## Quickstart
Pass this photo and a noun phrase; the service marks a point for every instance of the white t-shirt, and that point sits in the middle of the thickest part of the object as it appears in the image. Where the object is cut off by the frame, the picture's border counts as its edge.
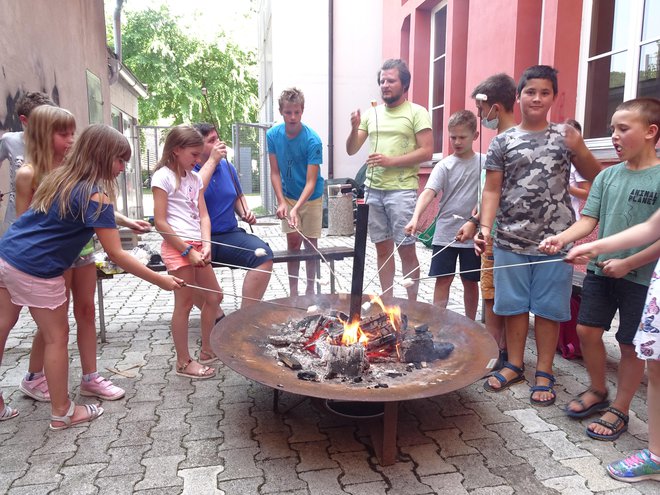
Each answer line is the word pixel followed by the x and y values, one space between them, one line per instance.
pixel 575 178
pixel 182 202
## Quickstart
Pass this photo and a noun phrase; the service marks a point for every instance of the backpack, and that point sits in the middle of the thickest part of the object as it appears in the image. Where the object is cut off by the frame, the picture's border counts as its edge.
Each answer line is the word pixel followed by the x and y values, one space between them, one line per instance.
pixel 569 342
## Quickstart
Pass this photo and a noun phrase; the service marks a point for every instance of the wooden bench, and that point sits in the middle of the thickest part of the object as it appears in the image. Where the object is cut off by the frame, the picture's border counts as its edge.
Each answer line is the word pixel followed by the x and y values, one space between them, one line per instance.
pixel 331 254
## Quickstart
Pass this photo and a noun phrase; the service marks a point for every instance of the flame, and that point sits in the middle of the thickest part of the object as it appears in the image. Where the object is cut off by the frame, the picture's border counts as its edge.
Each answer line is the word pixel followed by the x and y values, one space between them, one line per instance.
pixel 353 333
pixel 393 312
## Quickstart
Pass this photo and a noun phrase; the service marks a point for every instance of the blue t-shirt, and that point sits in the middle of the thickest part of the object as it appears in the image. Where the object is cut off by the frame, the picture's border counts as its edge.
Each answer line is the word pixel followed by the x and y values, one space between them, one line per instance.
pixel 293 158
pixel 44 245
pixel 220 197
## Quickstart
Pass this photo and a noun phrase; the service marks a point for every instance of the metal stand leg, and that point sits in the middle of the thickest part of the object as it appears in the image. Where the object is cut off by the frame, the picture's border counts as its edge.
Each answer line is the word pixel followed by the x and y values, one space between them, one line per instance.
pixel 332 276
pixel 99 293
pixel 384 440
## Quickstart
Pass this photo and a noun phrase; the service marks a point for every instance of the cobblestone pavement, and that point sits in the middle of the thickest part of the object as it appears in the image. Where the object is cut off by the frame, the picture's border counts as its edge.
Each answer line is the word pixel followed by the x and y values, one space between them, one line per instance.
pixel 173 435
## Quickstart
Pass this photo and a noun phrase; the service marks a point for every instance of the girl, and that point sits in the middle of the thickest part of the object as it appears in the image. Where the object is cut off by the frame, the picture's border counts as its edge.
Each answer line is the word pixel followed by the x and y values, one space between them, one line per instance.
pixel 644 464
pixel 48 137
pixel 180 214
pixel 72 203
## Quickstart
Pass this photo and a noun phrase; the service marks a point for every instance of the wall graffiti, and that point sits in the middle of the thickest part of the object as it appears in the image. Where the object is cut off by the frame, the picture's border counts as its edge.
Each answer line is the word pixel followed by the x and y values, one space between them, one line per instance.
pixel 10 122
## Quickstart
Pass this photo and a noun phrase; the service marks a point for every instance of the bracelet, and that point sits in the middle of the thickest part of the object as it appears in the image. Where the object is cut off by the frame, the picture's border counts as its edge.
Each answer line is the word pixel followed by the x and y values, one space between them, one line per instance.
pixel 474 221
pixel 186 251
pixel 486 227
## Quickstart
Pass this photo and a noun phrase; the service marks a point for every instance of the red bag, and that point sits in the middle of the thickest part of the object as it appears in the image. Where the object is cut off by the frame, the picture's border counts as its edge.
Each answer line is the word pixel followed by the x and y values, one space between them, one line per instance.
pixel 569 342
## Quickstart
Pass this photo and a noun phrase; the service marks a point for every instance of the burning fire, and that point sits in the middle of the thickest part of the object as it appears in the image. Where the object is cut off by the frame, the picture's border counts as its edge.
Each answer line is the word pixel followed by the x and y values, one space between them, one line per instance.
pixel 354 334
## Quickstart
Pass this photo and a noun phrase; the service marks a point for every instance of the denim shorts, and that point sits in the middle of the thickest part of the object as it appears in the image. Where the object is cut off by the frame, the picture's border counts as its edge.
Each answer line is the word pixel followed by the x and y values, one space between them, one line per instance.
pixel 445 262
pixel 84 260
pixel 28 290
pixel 239 257
pixel 542 289
pixel 389 213
pixel 602 296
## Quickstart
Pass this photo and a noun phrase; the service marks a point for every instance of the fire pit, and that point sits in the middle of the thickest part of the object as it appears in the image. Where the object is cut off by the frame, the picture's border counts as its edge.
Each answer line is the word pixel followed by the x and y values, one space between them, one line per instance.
pixel 241 341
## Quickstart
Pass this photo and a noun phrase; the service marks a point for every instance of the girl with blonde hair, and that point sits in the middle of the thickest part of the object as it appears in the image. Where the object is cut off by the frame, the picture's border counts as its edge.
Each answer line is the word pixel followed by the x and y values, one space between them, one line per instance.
pixel 180 214
pixel 71 204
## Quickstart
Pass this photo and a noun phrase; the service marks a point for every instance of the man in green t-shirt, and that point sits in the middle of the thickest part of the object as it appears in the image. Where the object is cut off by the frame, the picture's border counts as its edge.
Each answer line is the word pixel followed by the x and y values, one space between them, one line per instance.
pixel 400 138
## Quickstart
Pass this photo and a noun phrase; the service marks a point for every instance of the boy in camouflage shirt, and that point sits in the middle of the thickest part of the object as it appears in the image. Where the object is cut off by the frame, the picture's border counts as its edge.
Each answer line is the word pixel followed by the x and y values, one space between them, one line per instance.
pixel 527 174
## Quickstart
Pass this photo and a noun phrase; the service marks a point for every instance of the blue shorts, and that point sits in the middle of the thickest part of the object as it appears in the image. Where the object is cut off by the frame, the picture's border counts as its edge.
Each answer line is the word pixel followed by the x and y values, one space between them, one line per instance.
pixel 543 289
pixel 445 262
pixel 389 213
pixel 602 296
pixel 239 257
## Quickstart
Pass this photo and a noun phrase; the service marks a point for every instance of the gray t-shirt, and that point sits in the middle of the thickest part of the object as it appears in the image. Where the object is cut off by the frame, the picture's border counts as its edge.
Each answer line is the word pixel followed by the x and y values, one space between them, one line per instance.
pixel 458 181
pixel 535 202
pixel 12 149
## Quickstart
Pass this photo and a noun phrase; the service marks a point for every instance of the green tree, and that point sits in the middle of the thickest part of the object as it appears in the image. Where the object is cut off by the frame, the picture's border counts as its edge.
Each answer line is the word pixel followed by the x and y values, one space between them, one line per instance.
pixel 175 67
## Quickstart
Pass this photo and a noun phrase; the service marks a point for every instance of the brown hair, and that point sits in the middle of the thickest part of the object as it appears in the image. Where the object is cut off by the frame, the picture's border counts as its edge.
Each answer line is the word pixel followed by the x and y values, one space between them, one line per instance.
pixel 292 95
pixel 648 110
pixel 181 136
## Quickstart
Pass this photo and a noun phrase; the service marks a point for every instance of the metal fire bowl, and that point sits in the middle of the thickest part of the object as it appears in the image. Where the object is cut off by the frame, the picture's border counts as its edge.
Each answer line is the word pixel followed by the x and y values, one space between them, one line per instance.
pixel 240 340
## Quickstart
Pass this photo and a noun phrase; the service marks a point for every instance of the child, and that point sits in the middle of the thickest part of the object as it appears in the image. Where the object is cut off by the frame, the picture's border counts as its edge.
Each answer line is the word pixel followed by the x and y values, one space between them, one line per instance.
pixel 496 112
pixel 12 148
pixel 456 179
pixel 72 203
pixel 645 464
pixel 621 196
pixel 295 155
pixel 47 140
pixel 577 186
pixel 527 170
pixel 180 212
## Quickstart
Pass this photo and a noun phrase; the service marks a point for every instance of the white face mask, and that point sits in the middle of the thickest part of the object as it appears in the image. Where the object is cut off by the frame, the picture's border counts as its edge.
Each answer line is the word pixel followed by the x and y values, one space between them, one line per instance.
pixel 490 124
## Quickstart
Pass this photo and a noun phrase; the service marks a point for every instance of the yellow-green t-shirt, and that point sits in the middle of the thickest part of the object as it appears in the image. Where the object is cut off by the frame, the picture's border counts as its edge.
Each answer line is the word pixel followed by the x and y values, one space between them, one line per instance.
pixel 392 132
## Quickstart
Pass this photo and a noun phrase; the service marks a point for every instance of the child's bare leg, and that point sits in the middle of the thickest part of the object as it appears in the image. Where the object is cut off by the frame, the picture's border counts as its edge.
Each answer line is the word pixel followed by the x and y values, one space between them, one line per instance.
pixel 82 287
pixel 386 267
pixel 205 277
pixel 629 376
pixel 180 316
pixel 653 401
pixel 441 291
pixel 293 243
pixel 410 264
pixel 516 328
pixel 470 297
pixel 255 283
pixel 8 317
pixel 494 323
pixel 547 335
pixel 594 356
pixel 311 267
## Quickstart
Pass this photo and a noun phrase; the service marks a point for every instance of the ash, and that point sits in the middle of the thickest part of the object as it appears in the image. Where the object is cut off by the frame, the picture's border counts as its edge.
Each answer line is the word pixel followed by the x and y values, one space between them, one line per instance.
pixel 311 347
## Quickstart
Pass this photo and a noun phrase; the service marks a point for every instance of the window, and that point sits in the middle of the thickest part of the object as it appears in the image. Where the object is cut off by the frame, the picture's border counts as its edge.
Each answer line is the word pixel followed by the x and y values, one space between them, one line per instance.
pixel 620 55
pixel 437 73
pixel 94 99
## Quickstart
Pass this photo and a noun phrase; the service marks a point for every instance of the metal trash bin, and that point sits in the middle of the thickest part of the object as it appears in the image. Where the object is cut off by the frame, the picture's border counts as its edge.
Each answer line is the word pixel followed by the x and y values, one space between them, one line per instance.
pixel 340 210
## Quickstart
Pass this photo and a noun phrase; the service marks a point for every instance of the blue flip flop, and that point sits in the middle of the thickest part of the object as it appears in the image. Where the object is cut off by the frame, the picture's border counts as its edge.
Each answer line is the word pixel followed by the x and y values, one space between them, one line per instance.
pixel 592 409
pixel 502 379
pixel 543 388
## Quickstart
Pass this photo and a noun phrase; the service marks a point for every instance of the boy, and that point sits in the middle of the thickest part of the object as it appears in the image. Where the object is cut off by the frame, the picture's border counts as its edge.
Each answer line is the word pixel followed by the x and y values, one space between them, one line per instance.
pixel 456 179
pixel 12 149
pixel 527 169
pixel 496 113
pixel 295 155
pixel 621 196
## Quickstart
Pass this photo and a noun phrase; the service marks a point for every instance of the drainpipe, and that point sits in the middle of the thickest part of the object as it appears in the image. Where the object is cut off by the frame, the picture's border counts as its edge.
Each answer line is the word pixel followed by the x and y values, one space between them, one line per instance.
pixel 115 62
pixel 331 52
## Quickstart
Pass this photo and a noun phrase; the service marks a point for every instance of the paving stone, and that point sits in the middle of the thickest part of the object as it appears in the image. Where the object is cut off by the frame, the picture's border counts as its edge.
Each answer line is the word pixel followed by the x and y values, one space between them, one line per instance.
pixel 235 414
pixel 204 406
pixel 169 490
pixel 237 437
pixel 323 482
pixel 474 472
pixel 201 480
pixel 522 479
pixel 38 489
pixel 313 456
pixel 80 479
pixel 488 412
pixel 241 486
pixel 42 467
pixel 304 429
pixel 343 440
pixel 280 476
pixel 450 405
pixel 560 446
pixel 239 463
pixel 160 472
pixel 270 422
pixel 203 427
pixel 273 446
pixel 234 394
pixel 569 485
pixel 88 452
pixel 408 433
pixel 593 471
pixel 493 490
pixel 201 453
pixel 545 466
pixel 447 484
pixel 495 453
pixel 140 411
pixel 530 421
pixel 124 461
pixel 165 445
pixel 403 479
pixel 450 443
pixel 427 459
pixel 356 468
pixel 366 488
pixel 472 428
pixel 117 485
pixel 136 433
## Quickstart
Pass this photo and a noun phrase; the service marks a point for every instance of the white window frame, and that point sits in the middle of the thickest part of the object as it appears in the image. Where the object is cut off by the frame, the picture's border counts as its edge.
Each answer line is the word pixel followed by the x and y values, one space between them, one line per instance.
pixel 602 147
pixel 433 58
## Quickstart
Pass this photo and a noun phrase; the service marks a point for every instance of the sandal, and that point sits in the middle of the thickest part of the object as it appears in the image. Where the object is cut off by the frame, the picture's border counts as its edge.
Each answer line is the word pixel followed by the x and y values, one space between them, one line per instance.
pixel 543 388
pixel 203 373
pixel 8 413
pixel 93 412
pixel 210 357
pixel 622 419
pixel 602 403
pixel 502 379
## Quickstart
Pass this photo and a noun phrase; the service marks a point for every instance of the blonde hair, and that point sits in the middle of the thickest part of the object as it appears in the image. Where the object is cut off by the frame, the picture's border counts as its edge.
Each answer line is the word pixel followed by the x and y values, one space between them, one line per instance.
pixel 292 95
pixel 45 121
pixel 89 163
pixel 181 136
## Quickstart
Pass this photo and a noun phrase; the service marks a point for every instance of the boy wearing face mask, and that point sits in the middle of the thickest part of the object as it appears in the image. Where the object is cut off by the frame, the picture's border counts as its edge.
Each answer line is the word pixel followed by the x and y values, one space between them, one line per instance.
pixel 496 113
